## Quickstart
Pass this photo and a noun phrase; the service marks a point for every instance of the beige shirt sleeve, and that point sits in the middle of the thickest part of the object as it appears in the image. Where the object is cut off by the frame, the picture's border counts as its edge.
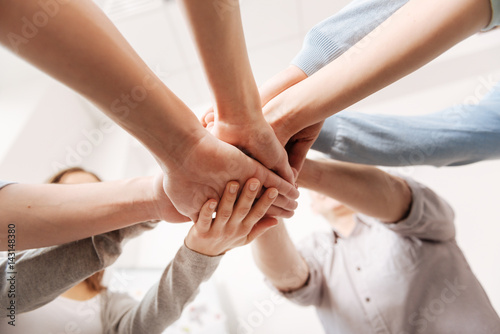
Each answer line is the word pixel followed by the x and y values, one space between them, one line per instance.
pixel 430 216
pixel 316 250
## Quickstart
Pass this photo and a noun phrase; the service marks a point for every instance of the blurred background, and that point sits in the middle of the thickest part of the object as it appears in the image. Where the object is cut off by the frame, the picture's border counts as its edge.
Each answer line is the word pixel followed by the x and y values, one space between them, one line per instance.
pixel 45 127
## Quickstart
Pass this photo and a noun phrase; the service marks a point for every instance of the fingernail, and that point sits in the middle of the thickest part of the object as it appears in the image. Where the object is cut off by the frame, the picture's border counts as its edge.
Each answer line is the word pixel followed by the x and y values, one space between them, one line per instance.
pixel 273 193
pixel 254 186
pixel 213 205
pixel 233 188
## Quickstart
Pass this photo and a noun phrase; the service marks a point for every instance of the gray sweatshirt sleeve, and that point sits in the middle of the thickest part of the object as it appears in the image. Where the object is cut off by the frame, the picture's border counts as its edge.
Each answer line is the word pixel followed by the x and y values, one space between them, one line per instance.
pixel 164 302
pixel 43 274
pixel 332 37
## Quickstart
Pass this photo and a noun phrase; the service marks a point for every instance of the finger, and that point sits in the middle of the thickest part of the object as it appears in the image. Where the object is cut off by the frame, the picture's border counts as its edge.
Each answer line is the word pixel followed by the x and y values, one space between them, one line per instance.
pixel 210 116
pixel 225 209
pixel 275 211
pixel 207 117
pixel 245 201
pixel 264 225
pixel 297 154
pixel 271 180
pixel 285 203
pixel 284 169
pixel 210 126
pixel 260 208
pixel 205 217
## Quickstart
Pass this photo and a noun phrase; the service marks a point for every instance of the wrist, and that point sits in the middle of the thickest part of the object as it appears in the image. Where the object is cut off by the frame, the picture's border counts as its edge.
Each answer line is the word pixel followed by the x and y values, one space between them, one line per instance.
pixel 192 246
pixel 281 113
pixel 240 103
pixel 310 175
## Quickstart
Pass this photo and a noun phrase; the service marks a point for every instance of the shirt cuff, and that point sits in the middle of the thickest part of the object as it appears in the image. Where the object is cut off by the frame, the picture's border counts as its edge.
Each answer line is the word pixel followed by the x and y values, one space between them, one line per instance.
pixel 317 51
pixel 414 217
pixel 495 15
pixel 327 139
pixel 203 263
pixel 5 183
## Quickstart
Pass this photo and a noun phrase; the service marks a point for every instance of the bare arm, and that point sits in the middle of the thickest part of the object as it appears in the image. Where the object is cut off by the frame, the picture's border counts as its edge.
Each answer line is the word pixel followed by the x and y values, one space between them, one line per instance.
pixel 218 32
pixel 237 223
pixel 80 47
pixel 367 190
pixel 53 214
pixel 278 259
pixel 417 33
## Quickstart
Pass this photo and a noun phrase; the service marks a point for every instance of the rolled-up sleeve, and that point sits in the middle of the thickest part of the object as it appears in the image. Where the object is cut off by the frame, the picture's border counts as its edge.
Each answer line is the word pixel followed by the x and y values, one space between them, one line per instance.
pixel 314 251
pixel 430 216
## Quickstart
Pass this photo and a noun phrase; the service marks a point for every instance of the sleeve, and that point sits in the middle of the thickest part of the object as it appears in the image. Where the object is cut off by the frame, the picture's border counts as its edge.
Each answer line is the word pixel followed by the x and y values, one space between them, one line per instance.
pixel 455 136
pixel 164 302
pixel 430 216
pixel 314 251
pixel 332 37
pixel 43 274
pixel 495 15
pixel 4 183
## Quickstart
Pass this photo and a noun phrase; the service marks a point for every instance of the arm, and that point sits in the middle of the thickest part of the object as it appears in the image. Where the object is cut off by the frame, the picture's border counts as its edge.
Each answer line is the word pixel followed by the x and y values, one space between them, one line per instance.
pixel 403 205
pixel 278 259
pixel 455 136
pixel 324 43
pixel 98 63
pixel 417 33
pixel 58 268
pixel 365 189
pixel 51 214
pixel 218 33
pixel 237 223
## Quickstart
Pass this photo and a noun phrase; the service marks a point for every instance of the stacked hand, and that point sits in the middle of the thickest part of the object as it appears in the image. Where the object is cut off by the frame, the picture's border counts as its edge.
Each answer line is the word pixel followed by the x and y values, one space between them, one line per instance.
pixel 237 222
pixel 259 138
pixel 207 168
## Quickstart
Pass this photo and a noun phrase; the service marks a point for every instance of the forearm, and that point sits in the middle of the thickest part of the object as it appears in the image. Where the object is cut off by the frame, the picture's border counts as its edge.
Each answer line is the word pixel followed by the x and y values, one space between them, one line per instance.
pixel 417 33
pixel 64 213
pixel 80 47
pixel 365 189
pixel 218 33
pixel 56 269
pixel 165 301
pixel 278 259
pixel 458 135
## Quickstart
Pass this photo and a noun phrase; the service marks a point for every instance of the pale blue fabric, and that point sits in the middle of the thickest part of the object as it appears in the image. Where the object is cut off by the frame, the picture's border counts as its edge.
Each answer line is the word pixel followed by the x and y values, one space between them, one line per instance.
pixel 4 183
pixel 332 37
pixel 455 136
pixel 495 17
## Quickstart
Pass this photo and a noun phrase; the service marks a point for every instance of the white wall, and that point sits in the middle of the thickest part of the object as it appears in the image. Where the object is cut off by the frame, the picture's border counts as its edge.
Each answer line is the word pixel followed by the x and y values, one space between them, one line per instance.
pixel 41 118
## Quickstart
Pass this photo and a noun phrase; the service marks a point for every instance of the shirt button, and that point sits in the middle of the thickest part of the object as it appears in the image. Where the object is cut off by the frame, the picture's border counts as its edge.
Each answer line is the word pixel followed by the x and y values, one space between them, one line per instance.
pixel 367 299
pixel 358 268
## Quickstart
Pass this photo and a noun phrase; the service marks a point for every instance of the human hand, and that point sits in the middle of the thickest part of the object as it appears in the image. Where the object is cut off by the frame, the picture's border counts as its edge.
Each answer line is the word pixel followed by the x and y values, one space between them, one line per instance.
pixel 209 166
pixel 276 110
pixel 237 223
pixel 254 136
pixel 273 87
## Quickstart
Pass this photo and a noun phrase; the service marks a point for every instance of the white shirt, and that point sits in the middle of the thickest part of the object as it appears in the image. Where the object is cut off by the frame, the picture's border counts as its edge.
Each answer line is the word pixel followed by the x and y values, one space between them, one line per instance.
pixel 409 277
pixel 61 316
